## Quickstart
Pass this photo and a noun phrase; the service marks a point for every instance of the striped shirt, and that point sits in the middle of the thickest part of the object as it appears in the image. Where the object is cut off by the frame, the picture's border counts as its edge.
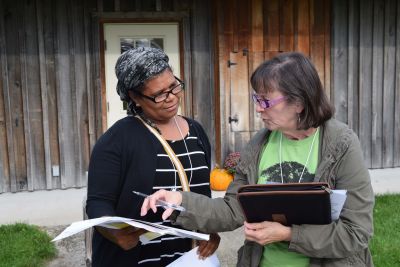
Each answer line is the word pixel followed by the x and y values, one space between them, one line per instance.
pixel 165 249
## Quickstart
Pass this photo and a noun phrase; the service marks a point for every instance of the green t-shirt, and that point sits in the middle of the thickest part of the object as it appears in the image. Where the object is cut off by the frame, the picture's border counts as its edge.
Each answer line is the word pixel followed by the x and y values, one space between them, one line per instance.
pixel 294 154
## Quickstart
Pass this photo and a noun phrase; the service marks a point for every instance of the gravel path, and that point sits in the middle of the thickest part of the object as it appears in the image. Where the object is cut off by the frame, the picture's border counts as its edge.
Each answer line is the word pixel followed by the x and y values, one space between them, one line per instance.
pixel 71 250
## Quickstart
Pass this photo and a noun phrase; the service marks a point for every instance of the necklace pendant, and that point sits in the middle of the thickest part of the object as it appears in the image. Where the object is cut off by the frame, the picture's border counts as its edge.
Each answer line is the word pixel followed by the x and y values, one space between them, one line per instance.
pixel 173 189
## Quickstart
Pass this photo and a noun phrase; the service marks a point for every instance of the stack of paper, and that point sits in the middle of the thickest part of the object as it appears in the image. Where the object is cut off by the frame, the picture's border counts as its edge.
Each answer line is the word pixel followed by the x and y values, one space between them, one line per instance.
pixel 121 222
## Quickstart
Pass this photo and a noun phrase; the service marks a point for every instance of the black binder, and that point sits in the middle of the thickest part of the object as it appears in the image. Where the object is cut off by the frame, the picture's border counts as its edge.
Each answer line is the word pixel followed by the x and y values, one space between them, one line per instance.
pixel 290 203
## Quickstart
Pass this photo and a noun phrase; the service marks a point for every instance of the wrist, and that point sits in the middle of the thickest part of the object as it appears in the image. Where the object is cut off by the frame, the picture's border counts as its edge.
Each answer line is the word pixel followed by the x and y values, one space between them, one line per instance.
pixel 287 234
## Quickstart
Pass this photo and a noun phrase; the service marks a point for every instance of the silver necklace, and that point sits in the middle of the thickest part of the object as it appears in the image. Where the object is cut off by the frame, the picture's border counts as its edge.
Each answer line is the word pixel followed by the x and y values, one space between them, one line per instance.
pixel 187 150
pixel 308 157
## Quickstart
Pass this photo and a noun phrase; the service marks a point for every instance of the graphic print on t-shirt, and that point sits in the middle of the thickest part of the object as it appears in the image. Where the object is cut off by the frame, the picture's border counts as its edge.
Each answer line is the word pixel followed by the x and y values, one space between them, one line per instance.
pixel 291 172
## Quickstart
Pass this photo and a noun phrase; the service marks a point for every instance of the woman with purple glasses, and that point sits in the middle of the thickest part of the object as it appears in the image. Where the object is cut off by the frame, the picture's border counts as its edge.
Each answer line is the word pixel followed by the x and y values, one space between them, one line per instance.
pixel 301 142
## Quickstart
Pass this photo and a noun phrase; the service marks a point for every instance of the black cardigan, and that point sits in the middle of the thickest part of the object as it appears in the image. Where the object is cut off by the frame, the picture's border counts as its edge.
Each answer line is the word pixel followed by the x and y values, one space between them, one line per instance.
pixel 124 159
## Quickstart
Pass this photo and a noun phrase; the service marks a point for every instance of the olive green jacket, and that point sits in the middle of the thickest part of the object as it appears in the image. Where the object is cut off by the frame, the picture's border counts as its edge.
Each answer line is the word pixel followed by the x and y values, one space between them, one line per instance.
pixel 340 243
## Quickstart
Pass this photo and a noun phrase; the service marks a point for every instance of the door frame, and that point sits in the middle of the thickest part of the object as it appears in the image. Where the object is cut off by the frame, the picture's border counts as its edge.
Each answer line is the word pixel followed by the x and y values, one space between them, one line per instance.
pixel 182 18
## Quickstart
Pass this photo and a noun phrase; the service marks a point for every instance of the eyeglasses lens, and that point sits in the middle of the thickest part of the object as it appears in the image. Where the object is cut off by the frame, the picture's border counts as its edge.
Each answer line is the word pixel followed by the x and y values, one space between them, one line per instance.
pixel 175 90
pixel 262 102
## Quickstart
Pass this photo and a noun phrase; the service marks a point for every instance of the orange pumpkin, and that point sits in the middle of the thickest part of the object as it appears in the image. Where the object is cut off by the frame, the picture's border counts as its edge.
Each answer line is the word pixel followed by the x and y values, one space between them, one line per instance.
pixel 220 179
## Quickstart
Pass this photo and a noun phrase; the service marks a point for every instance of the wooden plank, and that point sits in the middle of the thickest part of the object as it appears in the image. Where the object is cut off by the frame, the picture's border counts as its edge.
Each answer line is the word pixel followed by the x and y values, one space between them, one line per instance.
pixel 365 114
pixel 25 107
pixel 32 103
pixel 117 6
pixel 255 121
pixel 186 54
pixel 389 84
pixel 89 81
pixel 98 80
pixel 203 88
pixel 108 5
pixel 81 108
pixel 70 23
pixel 225 31
pixel 272 25
pixel 50 42
pixel 64 96
pixel 244 26
pixel 239 93
pixel 353 59
pixel 302 32
pixel 181 5
pixel 317 51
pixel 217 100
pixel 241 139
pixel 256 56
pixel 148 5
pixel 13 96
pixel 44 94
pixel 396 143
pixel 126 5
pixel 286 42
pixel 340 59
pixel 235 23
pixel 100 5
pixel 257 29
pixel 377 83
pixel 327 52
pixel 4 107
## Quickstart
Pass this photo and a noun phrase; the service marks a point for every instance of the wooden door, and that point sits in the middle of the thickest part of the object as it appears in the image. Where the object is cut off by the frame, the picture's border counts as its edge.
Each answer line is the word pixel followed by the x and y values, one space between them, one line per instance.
pixel 256 30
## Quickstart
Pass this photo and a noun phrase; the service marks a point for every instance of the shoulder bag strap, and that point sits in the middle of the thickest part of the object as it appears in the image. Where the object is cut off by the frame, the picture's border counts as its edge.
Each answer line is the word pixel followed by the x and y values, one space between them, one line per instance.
pixel 172 156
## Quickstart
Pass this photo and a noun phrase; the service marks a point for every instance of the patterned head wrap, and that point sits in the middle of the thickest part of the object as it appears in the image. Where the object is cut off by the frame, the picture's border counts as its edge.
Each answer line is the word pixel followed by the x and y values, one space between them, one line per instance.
pixel 135 66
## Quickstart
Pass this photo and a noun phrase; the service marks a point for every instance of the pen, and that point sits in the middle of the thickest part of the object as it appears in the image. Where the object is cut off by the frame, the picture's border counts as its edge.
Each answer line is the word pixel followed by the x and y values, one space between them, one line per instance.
pixel 162 203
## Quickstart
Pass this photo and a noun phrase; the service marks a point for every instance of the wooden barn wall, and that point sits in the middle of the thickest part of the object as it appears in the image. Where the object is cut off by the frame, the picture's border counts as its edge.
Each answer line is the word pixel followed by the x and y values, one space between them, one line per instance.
pixel 252 31
pixel 50 89
pixel 366 75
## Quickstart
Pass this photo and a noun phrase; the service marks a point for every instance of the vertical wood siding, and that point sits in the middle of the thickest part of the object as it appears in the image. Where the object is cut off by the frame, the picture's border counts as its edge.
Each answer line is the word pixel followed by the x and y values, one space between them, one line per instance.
pixel 50 96
pixel 252 31
pixel 365 82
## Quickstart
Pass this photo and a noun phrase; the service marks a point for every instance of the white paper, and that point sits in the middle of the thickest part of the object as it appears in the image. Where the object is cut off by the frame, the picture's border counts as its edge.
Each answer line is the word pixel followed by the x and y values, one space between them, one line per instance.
pixel 191 259
pixel 338 197
pixel 120 222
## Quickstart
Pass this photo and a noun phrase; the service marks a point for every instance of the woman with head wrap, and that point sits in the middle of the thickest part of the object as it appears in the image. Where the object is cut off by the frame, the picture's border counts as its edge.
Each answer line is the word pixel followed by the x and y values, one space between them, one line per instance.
pixel 128 157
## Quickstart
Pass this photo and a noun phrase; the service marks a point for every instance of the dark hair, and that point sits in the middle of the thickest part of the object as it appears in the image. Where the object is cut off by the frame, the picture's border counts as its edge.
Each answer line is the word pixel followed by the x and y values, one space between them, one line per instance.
pixel 294 75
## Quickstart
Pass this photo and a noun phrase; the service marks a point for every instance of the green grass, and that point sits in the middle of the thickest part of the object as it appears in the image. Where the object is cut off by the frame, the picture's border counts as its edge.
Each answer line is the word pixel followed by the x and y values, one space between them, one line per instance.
pixel 385 245
pixel 24 245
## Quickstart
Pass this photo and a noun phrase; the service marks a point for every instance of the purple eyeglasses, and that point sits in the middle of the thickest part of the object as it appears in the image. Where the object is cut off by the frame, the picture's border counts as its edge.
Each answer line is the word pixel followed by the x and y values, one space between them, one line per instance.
pixel 265 103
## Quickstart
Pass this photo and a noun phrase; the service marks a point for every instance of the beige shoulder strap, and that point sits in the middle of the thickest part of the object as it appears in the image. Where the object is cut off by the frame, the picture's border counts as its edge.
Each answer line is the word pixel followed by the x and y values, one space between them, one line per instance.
pixel 172 156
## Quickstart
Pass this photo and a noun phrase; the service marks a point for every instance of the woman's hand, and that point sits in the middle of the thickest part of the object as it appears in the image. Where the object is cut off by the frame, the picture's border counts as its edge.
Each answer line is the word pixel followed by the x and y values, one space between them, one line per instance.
pixel 125 238
pixel 207 248
pixel 267 232
pixel 172 197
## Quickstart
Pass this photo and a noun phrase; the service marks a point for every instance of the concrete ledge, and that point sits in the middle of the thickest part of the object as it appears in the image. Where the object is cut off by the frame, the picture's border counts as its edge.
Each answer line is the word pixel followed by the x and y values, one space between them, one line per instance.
pixel 44 208
pixel 62 207
pixel 385 181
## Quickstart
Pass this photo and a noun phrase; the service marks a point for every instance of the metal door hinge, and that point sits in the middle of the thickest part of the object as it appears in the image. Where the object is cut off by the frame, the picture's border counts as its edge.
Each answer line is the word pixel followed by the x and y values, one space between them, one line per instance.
pixel 230 119
pixel 230 63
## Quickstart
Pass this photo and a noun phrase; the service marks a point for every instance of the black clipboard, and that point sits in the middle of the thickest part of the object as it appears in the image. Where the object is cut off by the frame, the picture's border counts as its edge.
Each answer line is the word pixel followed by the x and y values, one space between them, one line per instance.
pixel 288 204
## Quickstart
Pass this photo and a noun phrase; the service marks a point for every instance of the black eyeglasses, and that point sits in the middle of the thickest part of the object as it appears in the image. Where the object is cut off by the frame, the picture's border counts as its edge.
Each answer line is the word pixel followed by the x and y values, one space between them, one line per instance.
pixel 175 89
